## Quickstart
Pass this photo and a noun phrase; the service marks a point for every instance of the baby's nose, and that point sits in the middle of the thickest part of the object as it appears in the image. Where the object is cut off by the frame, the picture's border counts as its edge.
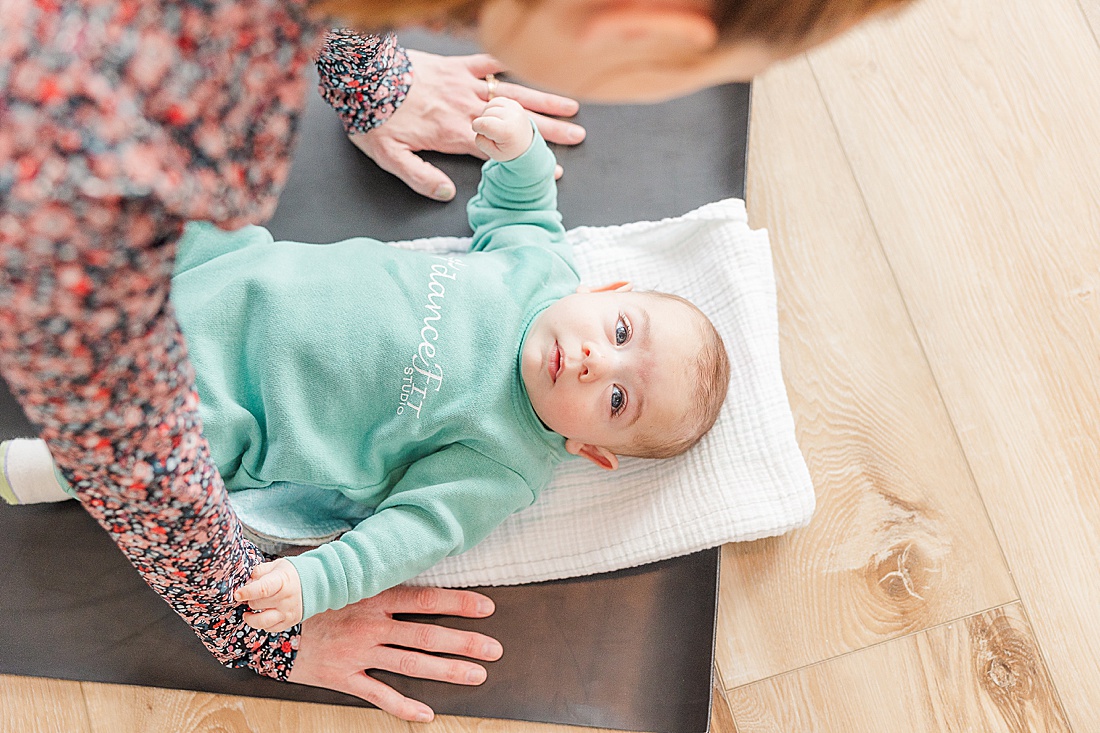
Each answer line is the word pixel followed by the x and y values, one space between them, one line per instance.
pixel 592 362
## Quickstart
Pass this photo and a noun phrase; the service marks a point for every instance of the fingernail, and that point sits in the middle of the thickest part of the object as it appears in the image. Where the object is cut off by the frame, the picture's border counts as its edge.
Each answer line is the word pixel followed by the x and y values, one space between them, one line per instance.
pixel 485 607
pixel 492 649
pixel 576 135
pixel 445 192
pixel 424 716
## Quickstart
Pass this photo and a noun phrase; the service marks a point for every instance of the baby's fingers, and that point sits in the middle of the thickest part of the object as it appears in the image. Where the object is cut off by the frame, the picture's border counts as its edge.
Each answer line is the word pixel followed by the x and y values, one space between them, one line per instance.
pixel 491 127
pixel 264 568
pixel 487 146
pixel 265 586
pixel 272 620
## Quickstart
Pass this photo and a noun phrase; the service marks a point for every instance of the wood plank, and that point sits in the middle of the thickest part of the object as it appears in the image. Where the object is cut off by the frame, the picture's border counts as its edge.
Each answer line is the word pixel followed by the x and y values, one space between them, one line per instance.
pixel 900 541
pixel 1091 9
pixel 983 673
pixel 972 129
pixel 114 708
pixel 721 717
pixel 36 705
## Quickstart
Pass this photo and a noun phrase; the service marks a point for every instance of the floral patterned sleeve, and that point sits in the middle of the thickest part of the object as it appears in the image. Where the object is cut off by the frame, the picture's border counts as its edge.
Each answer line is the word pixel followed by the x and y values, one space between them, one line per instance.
pixel 92 352
pixel 364 78
pixel 119 122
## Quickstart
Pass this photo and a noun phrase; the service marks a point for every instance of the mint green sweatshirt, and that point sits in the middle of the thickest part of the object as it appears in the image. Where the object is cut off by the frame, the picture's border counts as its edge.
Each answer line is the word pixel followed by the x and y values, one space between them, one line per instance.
pixel 389 375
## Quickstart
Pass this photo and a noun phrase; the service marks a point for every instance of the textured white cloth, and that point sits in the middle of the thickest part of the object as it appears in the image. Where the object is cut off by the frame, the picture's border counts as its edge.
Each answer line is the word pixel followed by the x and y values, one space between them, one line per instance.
pixel 746 479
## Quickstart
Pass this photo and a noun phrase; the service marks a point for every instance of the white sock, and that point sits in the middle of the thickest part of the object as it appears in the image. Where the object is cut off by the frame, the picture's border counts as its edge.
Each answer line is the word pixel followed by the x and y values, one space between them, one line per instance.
pixel 27 473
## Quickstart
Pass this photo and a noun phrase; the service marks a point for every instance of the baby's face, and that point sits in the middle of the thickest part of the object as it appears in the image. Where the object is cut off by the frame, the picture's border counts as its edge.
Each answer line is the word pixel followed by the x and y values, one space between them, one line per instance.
pixel 607 368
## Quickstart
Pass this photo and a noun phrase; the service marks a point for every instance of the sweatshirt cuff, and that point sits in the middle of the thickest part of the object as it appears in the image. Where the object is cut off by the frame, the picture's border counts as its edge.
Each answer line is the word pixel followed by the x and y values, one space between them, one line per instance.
pixel 324 585
pixel 534 164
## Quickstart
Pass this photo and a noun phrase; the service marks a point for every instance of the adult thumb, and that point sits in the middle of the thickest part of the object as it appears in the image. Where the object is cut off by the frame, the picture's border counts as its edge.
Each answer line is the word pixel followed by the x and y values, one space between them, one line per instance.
pixel 418 174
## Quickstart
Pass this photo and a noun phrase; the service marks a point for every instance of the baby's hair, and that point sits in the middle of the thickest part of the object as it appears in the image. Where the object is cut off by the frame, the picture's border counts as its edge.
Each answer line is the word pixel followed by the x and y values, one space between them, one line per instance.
pixel 712 377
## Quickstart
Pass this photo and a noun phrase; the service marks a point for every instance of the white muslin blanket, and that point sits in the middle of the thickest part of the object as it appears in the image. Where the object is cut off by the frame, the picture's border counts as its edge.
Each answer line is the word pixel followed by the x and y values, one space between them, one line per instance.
pixel 746 479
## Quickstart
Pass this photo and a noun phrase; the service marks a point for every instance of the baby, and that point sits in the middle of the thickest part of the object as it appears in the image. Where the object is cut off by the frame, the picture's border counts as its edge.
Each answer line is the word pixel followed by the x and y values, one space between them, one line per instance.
pixel 437 391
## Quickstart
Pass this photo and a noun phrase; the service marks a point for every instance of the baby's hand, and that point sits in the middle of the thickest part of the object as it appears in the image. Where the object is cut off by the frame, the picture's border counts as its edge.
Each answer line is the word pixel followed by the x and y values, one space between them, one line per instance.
pixel 275 596
pixel 503 130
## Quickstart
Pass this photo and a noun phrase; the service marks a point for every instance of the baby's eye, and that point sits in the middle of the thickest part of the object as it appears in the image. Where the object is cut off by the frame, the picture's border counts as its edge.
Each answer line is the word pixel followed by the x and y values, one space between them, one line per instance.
pixel 622 330
pixel 618 400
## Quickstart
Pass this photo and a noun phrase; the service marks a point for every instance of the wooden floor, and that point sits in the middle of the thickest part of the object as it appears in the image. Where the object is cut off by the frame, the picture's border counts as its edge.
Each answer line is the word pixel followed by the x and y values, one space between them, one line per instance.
pixel 932 187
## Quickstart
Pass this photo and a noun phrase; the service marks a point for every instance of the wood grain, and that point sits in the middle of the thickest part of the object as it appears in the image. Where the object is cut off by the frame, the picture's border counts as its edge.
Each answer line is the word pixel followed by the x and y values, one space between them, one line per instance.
pixel 983 673
pixel 1091 9
pixel 900 541
pixel 116 708
pixel 36 705
pixel 721 717
pixel 972 130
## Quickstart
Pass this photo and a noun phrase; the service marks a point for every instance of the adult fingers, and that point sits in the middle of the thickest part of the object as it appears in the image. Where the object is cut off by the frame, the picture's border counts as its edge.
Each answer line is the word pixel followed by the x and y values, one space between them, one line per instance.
pixel 428 667
pixel 481 64
pixel 558 171
pixel 432 638
pixel 442 601
pixel 386 698
pixel 418 174
pixel 534 100
pixel 558 131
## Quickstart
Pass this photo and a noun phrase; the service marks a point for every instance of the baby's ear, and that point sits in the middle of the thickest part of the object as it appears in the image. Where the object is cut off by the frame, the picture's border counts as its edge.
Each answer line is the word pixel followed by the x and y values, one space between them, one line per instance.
pixel 602 457
pixel 619 286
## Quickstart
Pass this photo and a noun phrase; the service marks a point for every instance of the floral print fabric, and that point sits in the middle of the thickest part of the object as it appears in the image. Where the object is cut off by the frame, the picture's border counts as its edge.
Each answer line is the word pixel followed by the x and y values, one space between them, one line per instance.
pixel 119 121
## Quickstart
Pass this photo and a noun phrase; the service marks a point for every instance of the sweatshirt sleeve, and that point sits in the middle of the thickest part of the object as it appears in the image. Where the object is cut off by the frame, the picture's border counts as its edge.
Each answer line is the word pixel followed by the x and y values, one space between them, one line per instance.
pixel 516 203
pixel 445 504
pixel 364 77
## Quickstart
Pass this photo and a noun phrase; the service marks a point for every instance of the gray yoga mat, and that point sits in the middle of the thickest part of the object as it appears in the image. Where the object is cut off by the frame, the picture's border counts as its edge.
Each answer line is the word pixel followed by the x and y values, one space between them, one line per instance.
pixel 630 650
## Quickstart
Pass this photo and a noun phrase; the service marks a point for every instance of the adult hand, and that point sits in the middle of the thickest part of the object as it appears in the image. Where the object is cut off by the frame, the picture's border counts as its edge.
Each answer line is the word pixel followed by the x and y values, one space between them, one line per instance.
pixel 337 647
pixel 447 93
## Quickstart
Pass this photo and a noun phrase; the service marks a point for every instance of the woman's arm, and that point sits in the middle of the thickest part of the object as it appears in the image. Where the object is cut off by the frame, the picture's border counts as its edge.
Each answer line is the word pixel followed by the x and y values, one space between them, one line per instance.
pixel 158 115
pixel 93 353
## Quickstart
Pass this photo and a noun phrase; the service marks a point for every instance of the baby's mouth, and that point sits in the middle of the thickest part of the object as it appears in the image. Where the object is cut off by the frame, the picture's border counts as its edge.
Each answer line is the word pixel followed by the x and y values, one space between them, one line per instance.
pixel 555 363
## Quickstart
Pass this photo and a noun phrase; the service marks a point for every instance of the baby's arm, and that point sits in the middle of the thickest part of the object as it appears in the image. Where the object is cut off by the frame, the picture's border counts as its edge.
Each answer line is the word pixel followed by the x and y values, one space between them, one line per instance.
pixel 516 202
pixel 443 505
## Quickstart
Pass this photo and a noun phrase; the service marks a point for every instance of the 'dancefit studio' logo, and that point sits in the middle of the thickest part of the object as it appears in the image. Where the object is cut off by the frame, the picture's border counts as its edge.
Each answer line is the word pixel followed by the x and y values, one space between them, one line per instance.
pixel 425 375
